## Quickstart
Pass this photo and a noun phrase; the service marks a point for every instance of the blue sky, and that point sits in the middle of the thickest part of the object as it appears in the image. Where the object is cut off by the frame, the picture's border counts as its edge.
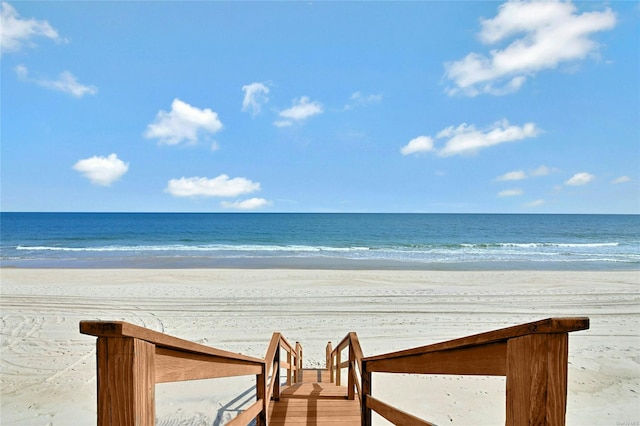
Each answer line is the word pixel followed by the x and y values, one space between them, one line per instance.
pixel 488 107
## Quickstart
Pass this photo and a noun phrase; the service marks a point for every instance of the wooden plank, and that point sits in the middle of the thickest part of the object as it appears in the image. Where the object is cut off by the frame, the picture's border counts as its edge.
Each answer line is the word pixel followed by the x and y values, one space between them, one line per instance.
pixel 314 375
pixel 366 393
pixel 272 360
pixel 356 382
pixel 351 377
pixel 486 360
pixel 247 415
pixel 357 349
pixel 350 421
pixel 288 367
pixel 546 326
pixel 395 416
pixel 285 344
pixel 126 382
pixel 317 390
pixel 338 364
pixel 298 363
pixel 125 329
pixel 261 392
pixel 557 368
pixel 537 379
pixel 306 411
pixel 176 366
pixel 271 350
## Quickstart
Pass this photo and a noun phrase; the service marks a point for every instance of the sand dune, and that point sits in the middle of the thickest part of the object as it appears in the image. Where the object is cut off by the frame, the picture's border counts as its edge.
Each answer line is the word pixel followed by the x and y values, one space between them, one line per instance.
pixel 48 368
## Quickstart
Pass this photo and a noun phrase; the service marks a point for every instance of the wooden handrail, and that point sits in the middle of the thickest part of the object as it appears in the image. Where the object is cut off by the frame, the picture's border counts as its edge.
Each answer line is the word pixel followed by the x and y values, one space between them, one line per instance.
pixel 132 359
pixel 545 326
pixel 354 364
pixel 125 329
pixel 273 364
pixel 532 356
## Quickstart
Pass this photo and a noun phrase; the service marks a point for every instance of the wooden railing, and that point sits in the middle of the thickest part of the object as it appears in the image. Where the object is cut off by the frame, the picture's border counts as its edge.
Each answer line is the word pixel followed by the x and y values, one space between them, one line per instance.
pixel 132 359
pixel 353 363
pixel 274 364
pixel 532 356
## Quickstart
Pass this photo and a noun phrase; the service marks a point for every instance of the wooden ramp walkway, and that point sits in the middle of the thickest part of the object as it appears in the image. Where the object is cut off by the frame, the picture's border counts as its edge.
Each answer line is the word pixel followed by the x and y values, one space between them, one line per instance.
pixel 132 359
pixel 315 401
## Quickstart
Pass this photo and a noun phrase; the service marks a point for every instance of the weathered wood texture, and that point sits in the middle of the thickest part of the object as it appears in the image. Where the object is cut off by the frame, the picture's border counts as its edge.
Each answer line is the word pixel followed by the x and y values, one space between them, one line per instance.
pixel 537 379
pixel 126 382
pixel 273 363
pixel 353 364
pixel 395 416
pixel 176 366
pixel 132 359
pixel 485 360
pixel 124 329
pixel 248 415
pixel 532 356
pixel 546 326
pixel 314 401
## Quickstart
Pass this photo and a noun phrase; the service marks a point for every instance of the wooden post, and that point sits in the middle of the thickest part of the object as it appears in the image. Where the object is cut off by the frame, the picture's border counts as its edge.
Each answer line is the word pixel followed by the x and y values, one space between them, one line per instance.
pixel 126 382
pixel 297 374
pixel 291 367
pixel 261 393
pixel 338 362
pixel 330 362
pixel 351 394
pixel 537 379
pixel 366 392
pixel 276 375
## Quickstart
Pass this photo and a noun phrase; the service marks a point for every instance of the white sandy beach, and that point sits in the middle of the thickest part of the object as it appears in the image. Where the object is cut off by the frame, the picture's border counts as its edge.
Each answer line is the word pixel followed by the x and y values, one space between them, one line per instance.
pixel 48 368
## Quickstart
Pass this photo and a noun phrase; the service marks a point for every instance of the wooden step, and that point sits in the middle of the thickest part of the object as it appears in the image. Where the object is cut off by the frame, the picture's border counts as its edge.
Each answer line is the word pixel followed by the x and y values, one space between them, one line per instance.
pixel 314 401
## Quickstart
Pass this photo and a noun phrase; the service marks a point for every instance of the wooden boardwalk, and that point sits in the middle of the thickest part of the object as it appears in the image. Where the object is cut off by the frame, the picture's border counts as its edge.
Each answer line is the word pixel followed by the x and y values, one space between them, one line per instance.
pixel 131 360
pixel 315 402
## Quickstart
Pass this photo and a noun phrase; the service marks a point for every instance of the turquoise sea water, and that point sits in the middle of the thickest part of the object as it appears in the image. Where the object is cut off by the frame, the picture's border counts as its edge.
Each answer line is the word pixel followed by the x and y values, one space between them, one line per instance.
pixel 359 241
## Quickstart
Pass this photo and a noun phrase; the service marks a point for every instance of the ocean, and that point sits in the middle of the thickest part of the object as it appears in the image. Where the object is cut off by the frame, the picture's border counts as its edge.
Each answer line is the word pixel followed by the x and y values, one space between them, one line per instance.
pixel 322 240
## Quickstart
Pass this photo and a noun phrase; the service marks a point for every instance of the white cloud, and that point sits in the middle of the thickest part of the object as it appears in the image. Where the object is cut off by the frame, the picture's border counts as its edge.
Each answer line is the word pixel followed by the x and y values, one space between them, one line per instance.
pixel 221 186
pixel 358 99
pixel 102 170
pixel 535 203
pixel 542 171
pixel 283 123
pixel 16 32
pixel 66 83
pixel 466 139
pixel 183 123
pixel 578 179
pixel 621 179
pixel 510 192
pixel 515 175
pixel 419 144
pixel 520 174
pixel 250 204
pixel 255 95
pixel 550 33
pixel 22 72
pixel 302 109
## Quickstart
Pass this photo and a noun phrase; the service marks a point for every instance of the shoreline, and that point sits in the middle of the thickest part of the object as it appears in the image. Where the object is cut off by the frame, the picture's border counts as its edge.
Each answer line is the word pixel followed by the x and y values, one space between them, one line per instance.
pixel 48 367
pixel 318 263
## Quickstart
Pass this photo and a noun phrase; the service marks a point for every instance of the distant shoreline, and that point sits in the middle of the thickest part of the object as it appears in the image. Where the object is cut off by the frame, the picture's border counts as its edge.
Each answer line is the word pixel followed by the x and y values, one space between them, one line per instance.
pixel 321 264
